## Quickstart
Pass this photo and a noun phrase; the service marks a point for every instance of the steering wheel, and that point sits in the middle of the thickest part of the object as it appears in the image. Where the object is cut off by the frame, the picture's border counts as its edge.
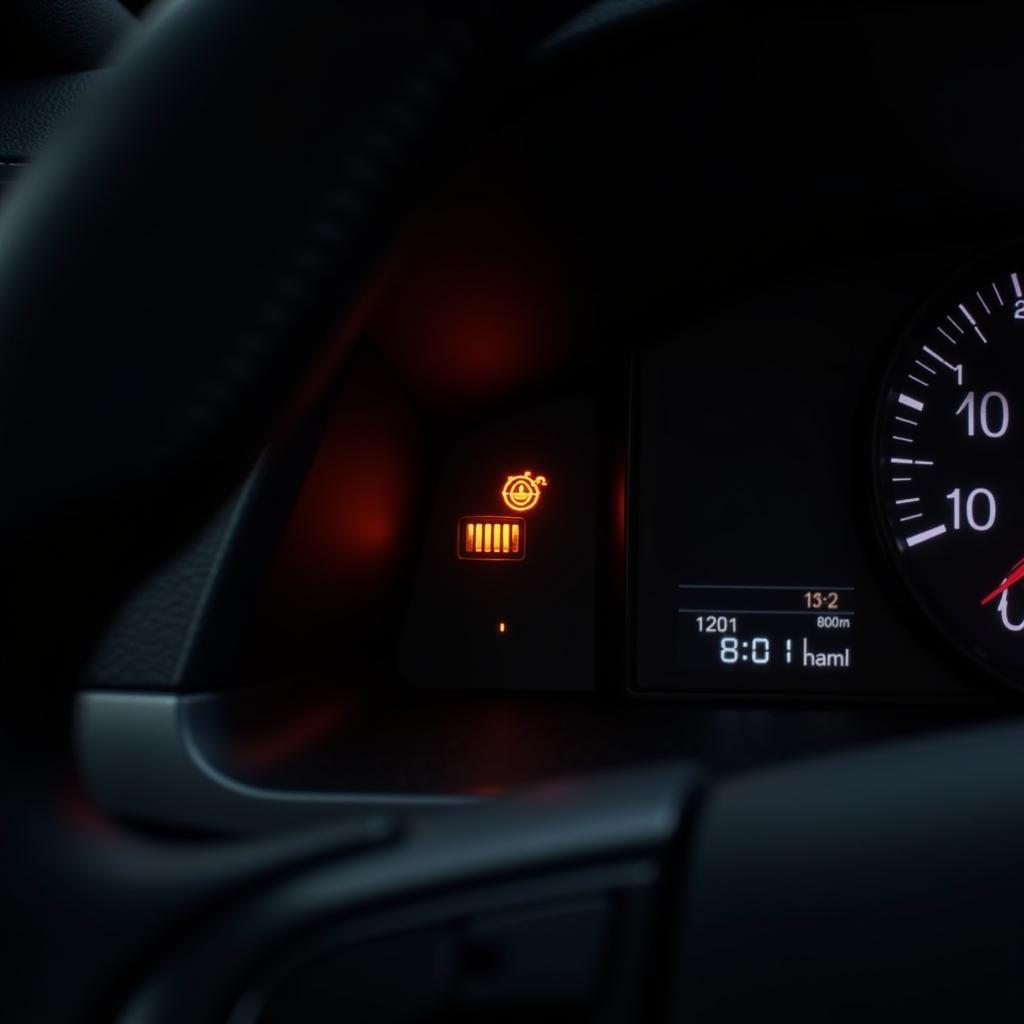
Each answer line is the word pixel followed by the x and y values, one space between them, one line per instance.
pixel 179 276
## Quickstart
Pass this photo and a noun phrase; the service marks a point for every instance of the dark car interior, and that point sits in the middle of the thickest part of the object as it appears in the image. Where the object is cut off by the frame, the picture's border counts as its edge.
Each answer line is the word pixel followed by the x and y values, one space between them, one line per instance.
pixel 509 511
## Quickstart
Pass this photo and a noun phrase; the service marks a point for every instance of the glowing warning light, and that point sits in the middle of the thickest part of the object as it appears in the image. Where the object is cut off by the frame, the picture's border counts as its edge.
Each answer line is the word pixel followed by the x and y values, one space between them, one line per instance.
pixel 492 538
pixel 522 491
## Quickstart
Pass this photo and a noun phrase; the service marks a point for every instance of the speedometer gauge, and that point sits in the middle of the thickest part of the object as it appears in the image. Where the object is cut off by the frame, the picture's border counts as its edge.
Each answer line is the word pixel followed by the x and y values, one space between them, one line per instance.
pixel 949 462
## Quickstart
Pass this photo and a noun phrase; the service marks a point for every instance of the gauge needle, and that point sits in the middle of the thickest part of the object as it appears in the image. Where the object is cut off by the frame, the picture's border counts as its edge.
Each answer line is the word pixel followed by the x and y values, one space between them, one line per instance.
pixel 1016 574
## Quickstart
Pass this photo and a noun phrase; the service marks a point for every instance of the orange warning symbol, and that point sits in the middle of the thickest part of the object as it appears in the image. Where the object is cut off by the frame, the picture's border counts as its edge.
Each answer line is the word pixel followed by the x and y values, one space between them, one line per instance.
pixel 522 491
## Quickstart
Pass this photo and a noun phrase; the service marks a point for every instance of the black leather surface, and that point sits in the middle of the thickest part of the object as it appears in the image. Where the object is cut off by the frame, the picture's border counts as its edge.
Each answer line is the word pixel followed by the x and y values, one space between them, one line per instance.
pixel 31 108
pixel 147 643
pixel 46 37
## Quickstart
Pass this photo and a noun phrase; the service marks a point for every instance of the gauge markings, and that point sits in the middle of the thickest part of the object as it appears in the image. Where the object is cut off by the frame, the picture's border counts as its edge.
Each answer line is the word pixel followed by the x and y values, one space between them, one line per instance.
pixel 919 538
pixel 938 358
pixel 953 394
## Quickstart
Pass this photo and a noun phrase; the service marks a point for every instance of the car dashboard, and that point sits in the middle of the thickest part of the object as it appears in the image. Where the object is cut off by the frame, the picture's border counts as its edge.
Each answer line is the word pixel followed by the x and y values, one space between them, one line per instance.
pixel 681 426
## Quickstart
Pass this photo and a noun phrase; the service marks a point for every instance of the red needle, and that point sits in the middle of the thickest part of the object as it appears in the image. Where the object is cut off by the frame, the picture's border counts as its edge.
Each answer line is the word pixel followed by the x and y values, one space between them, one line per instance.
pixel 1016 574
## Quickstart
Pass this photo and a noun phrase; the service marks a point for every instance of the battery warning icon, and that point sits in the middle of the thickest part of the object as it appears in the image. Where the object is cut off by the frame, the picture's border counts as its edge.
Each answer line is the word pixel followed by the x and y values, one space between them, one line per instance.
pixel 492 538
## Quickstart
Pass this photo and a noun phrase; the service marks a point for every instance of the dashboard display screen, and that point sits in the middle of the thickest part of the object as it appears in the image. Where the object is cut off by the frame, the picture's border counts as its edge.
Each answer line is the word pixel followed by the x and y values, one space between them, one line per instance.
pixel 763 626
pixel 756 568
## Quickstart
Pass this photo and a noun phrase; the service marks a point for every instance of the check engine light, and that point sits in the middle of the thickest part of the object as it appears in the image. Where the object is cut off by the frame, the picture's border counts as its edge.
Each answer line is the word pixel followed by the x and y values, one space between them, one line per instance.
pixel 492 538
pixel 522 491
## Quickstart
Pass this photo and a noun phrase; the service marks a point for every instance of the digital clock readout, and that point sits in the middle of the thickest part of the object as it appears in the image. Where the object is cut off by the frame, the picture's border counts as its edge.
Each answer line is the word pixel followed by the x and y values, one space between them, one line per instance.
pixel 786 628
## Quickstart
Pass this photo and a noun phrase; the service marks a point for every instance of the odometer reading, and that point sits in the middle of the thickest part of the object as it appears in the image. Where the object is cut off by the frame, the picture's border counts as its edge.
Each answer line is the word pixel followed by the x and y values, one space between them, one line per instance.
pixel 949 459
pixel 783 628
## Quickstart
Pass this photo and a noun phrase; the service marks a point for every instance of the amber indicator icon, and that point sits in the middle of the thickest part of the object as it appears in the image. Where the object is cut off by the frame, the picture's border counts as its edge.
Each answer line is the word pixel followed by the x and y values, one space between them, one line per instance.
pixel 492 538
pixel 522 491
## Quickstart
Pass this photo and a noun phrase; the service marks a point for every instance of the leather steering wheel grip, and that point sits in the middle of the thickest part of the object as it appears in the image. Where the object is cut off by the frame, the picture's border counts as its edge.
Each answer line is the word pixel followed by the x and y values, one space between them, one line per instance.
pixel 185 257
